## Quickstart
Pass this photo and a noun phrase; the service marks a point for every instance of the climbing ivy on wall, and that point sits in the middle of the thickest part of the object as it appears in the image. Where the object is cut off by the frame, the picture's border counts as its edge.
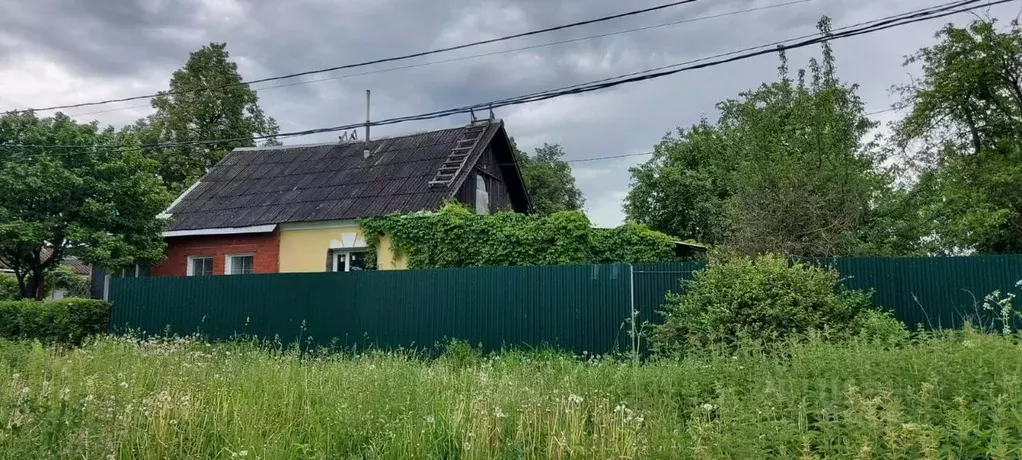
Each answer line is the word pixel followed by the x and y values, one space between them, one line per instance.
pixel 457 237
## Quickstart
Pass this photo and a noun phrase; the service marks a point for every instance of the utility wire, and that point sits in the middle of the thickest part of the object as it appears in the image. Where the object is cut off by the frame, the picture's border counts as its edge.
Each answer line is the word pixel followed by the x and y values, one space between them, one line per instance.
pixel 912 17
pixel 495 53
pixel 383 60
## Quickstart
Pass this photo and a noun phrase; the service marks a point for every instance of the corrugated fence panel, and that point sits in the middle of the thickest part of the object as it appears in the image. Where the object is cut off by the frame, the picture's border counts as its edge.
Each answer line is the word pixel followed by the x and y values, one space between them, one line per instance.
pixel 654 281
pixel 580 308
pixel 935 292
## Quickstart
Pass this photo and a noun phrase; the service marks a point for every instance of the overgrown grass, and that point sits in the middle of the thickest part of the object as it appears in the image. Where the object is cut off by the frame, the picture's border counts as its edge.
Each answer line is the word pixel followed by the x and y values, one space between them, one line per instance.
pixel 958 396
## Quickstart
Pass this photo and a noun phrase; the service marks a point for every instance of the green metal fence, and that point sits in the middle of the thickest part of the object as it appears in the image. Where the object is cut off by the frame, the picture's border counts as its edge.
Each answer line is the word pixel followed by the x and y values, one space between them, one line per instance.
pixel 580 308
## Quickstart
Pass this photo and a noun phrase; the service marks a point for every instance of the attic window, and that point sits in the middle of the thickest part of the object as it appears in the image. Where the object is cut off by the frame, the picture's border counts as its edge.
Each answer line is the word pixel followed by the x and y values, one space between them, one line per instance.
pixel 482 195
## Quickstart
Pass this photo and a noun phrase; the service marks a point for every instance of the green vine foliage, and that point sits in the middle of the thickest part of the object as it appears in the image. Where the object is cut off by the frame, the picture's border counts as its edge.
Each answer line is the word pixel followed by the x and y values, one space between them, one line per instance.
pixel 457 237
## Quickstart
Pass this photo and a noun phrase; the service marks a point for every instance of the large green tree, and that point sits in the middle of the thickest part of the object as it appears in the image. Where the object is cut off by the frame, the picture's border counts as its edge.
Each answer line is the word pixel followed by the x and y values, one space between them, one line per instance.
pixel 206 101
pixel 963 135
pixel 92 195
pixel 549 180
pixel 784 169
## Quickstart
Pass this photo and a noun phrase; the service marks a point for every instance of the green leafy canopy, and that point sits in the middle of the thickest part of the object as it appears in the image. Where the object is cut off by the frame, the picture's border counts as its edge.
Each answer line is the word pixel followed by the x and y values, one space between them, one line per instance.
pixel 963 137
pixel 98 202
pixel 205 102
pixel 549 181
pixel 784 169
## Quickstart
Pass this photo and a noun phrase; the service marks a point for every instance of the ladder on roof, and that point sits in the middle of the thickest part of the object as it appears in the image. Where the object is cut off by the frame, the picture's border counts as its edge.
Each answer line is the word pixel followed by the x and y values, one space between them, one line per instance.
pixel 456 160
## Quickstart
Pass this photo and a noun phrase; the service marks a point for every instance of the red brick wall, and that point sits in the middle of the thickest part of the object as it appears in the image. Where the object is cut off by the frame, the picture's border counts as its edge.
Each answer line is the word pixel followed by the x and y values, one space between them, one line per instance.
pixel 265 247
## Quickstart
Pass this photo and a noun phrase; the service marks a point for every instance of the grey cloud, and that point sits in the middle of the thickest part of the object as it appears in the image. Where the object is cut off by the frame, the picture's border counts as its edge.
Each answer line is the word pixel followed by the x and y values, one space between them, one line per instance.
pixel 100 38
pixel 135 39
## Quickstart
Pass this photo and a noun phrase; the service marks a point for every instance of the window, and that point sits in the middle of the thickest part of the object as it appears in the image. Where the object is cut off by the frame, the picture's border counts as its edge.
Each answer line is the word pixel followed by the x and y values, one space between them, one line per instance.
pixel 239 264
pixel 349 261
pixel 200 265
pixel 482 195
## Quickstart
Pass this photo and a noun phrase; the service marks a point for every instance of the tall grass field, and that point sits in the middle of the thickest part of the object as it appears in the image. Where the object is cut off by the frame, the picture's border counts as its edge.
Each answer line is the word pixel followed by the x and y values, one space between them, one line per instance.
pixel 957 396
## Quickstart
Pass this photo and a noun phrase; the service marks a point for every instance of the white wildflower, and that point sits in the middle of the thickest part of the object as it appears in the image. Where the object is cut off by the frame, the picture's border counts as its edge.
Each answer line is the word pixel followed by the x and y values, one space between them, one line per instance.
pixel 708 407
pixel 429 419
pixel 124 384
pixel 574 399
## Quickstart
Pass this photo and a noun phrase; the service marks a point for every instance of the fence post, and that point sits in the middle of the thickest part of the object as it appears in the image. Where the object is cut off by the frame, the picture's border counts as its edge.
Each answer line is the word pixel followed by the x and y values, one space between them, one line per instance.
pixel 631 310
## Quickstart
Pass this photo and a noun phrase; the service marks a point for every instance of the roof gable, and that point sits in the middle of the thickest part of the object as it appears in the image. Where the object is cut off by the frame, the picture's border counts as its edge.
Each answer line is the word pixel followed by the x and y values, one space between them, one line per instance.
pixel 259 186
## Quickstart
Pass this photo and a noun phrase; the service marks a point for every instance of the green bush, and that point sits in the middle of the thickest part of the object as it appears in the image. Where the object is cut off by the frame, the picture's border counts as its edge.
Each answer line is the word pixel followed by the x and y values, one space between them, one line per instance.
pixel 8 288
pixel 461 353
pixel 881 327
pixel 67 321
pixel 764 300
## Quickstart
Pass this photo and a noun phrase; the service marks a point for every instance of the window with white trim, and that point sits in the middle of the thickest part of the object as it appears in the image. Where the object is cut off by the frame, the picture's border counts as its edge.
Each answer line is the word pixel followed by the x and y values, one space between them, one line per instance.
pixel 348 260
pixel 200 265
pixel 239 264
pixel 482 195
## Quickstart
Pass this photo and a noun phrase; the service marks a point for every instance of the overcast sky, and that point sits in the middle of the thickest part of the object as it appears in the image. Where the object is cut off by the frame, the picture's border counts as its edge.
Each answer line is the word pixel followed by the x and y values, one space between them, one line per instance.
pixel 66 51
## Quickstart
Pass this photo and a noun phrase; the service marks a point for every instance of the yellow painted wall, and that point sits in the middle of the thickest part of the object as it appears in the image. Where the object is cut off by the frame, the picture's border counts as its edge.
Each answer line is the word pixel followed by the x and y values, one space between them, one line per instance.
pixel 304 249
pixel 385 259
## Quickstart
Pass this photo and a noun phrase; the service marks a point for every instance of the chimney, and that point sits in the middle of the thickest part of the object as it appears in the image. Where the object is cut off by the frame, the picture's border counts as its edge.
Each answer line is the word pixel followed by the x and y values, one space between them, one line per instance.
pixel 365 151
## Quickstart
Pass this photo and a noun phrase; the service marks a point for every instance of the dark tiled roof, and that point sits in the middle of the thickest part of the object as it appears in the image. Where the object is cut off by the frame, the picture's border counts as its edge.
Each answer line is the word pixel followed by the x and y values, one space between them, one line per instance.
pixel 324 182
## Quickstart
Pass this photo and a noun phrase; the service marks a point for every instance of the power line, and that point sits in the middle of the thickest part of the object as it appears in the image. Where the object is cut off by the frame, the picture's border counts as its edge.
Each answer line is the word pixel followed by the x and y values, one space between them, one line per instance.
pixel 611 157
pixel 383 60
pixel 495 53
pixel 911 17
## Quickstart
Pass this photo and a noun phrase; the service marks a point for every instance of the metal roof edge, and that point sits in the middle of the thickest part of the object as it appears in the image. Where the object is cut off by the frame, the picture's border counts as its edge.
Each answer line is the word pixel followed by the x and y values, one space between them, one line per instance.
pixel 220 231
pixel 166 212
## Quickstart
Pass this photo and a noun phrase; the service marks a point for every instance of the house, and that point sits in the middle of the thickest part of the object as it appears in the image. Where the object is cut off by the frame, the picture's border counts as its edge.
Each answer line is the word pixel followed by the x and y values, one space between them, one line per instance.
pixel 296 208
pixel 74 282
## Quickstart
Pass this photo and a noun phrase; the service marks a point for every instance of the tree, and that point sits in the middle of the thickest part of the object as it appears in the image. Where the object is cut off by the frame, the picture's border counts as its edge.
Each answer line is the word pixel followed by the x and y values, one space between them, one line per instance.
pixel 784 169
pixel 962 137
pixel 97 201
pixel 549 180
pixel 685 190
pixel 205 102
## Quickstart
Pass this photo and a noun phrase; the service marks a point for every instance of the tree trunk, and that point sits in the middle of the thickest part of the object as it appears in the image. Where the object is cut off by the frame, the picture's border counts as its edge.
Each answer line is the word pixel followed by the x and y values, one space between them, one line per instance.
pixel 22 287
pixel 36 284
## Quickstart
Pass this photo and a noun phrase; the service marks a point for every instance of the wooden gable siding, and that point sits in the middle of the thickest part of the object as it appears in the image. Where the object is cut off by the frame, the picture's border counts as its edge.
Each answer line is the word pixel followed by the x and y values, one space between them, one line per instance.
pixel 500 199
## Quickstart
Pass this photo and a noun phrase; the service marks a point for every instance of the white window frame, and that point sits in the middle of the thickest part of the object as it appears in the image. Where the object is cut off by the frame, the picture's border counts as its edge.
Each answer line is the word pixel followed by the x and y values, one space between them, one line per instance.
pixel 337 253
pixel 228 264
pixel 191 264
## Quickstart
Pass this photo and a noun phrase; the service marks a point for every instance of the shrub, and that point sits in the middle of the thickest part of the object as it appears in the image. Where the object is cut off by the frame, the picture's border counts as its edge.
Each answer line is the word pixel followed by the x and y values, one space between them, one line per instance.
pixel 881 327
pixel 67 321
pixel 8 288
pixel 461 353
pixel 765 299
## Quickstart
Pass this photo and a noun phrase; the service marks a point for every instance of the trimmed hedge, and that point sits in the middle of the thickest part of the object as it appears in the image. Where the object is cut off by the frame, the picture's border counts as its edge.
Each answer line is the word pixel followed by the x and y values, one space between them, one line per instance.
pixel 67 321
